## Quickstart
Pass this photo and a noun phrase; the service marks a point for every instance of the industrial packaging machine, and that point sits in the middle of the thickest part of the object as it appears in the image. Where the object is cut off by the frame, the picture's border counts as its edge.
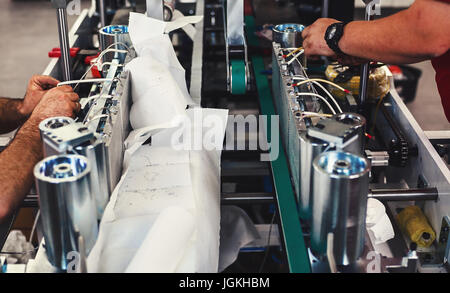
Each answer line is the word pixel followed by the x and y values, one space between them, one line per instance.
pixel 335 153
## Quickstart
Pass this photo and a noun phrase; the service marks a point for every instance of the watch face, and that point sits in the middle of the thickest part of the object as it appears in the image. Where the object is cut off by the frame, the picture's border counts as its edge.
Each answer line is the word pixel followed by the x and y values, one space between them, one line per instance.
pixel 332 33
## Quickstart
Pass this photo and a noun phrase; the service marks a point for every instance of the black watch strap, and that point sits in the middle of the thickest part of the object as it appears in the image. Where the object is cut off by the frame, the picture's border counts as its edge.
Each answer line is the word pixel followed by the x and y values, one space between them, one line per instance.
pixel 333 35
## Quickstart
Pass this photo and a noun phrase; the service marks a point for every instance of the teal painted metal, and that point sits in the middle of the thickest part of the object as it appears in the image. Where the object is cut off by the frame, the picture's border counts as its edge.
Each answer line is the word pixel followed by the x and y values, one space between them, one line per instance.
pixel 238 77
pixel 290 221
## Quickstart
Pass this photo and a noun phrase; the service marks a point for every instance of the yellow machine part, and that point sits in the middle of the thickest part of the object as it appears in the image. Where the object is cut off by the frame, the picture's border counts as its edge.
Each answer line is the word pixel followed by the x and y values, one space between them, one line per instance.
pixel 413 222
pixel 378 86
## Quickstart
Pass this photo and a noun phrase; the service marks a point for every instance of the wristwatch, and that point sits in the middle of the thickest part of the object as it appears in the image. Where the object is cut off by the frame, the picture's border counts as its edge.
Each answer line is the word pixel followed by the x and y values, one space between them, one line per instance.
pixel 333 35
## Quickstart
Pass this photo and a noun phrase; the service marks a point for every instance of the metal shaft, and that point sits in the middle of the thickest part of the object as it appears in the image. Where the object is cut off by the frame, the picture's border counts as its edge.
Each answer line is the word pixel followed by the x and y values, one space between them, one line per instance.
pixel 325 8
pixel 64 44
pixel 364 78
pixel 404 194
pixel 102 12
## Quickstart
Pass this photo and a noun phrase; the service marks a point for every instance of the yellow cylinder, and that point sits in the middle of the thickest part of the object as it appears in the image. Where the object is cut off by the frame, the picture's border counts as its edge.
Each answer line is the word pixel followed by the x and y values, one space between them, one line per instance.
pixel 415 224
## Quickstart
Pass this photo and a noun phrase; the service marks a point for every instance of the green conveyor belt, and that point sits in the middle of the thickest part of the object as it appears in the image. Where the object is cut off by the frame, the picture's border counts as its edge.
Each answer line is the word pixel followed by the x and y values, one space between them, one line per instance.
pixel 296 251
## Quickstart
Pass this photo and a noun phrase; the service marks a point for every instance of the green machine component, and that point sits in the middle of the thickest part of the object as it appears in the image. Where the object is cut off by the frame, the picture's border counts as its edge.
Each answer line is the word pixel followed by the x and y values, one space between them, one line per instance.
pixel 293 239
pixel 238 77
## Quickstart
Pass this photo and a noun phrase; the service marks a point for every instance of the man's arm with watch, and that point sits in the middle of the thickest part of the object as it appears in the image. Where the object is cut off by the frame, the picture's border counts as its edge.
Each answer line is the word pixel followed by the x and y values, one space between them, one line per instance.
pixel 418 33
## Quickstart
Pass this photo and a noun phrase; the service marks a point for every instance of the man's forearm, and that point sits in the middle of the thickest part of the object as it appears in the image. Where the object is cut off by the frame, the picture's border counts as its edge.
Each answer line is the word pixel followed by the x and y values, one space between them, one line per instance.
pixel 17 162
pixel 413 35
pixel 10 115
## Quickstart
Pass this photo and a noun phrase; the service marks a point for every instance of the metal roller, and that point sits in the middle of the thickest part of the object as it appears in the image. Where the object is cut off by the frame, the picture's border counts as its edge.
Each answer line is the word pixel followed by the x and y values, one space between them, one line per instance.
pixel 358 122
pixel 238 77
pixel 310 148
pixel 341 186
pixel 95 152
pixel 288 35
pixel 68 209
pixel 118 35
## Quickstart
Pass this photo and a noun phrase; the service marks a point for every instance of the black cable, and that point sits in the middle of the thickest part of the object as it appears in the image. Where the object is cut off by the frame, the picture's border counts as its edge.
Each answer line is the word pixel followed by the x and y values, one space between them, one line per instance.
pixel 268 244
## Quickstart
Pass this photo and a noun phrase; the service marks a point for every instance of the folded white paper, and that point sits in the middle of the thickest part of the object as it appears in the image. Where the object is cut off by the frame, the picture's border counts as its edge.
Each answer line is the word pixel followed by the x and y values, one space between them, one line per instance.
pixel 378 221
pixel 164 246
pixel 157 178
pixel 149 37
pixel 157 99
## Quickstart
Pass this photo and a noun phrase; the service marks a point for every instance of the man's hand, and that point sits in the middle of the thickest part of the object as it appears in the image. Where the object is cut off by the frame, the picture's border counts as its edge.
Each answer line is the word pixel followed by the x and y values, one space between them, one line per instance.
pixel 38 86
pixel 314 38
pixel 60 101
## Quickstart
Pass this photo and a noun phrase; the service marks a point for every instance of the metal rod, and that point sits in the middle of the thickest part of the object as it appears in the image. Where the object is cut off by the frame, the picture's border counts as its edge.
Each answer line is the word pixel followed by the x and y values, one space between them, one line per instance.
pixel 364 78
pixel 102 12
pixel 325 8
pixel 64 44
pixel 228 198
pixel 404 194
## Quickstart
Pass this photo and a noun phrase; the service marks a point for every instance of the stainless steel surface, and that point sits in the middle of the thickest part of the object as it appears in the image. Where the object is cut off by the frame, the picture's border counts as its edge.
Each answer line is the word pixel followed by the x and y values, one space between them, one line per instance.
pixel 117 127
pixel 63 30
pixel 341 183
pixel 290 108
pixel 47 126
pixel 288 35
pixel 378 159
pixel 444 240
pixel 63 139
pixel 442 136
pixel 155 9
pixel 428 164
pixel 95 152
pixel 358 122
pixel 235 22
pixel 68 208
pixel 54 123
pixel 340 135
pixel 114 37
pixel 310 148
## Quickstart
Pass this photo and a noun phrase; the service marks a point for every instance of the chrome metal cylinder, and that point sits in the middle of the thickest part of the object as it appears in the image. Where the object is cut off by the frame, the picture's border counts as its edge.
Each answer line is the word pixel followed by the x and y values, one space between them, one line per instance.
pixel 310 148
pixel 358 122
pixel 288 35
pixel 341 186
pixel 114 37
pixel 63 30
pixel 47 126
pixel 95 152
pixel 68 209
